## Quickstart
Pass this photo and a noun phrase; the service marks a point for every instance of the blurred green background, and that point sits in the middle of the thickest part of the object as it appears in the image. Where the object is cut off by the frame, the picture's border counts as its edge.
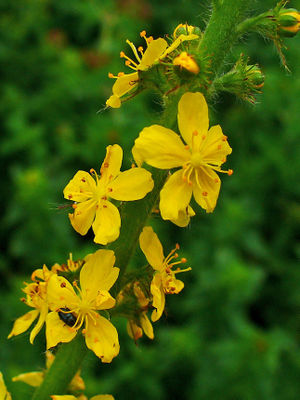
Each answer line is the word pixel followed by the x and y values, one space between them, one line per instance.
pixel 234 332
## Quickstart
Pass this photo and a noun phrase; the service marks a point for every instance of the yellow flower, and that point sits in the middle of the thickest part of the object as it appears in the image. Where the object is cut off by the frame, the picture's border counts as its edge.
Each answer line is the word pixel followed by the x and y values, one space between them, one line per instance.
pixel 36 378
pixel 92 195
pixel 70 310
pixel 156 50
pixel 36 297
pixel 186 61
pixel 289 22
pixel 4 394
pixel 135 328
pixel 82 397
pixel 203 154
pixel 164 279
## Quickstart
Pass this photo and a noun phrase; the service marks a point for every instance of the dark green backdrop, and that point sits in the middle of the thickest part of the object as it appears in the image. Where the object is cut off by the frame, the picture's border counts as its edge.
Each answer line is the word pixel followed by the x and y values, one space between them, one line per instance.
pixel 233 333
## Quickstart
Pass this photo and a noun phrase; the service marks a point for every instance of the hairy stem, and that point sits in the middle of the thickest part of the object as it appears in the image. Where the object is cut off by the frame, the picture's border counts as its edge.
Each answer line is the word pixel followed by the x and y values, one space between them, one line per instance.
pixel 67 361
pixel 220 33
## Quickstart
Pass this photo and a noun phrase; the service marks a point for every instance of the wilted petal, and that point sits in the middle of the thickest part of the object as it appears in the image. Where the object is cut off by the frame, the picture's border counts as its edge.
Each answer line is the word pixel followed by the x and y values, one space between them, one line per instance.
pixel 174 196
pixel 132 184
pixel 107 223
pixel 102 338
pixel 152 248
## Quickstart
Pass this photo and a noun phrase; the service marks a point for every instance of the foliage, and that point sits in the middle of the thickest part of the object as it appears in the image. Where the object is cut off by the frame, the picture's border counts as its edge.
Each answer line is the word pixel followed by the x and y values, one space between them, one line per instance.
pixel 234 333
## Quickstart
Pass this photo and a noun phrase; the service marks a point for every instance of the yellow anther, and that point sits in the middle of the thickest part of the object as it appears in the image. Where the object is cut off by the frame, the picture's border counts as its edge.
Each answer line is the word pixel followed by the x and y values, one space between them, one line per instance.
pixel 183 260
pixel 143 34
pixel 110 75
pixel 230 172
pixel 122 54
pixel 120 74
pixel 140 49
pixel 177 246
pixel 149 39
pixel 127 63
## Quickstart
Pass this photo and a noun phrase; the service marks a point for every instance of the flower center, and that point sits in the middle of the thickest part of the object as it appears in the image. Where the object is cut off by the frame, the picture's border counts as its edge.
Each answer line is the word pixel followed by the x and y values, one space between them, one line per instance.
pixel 196 160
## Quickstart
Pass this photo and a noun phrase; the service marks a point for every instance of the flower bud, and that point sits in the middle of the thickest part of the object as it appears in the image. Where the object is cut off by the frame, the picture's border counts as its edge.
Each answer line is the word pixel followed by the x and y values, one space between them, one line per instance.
pixel 185 29
pixel 186 61
pixel 289 22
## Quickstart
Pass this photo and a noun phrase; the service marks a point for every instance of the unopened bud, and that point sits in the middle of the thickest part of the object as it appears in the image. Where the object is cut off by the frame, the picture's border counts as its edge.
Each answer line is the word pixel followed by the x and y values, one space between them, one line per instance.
pixel 186 61
pixel 185 29
pixel 289 22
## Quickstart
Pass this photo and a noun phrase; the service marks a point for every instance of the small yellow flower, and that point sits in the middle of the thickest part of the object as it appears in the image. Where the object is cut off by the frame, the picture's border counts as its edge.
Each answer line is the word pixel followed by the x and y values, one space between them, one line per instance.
pixel 186 61
pixel 36 297
pixel 36 378
pixel 70 310
pixel 4 394
pixel 203 154
pixel 92 195
pixel 82 397
pixel 135 328
pixel 164 279
pixel 156 50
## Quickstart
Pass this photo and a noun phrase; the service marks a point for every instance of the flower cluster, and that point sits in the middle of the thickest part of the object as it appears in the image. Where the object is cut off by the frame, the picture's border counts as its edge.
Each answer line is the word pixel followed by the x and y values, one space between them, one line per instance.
pixel 74 298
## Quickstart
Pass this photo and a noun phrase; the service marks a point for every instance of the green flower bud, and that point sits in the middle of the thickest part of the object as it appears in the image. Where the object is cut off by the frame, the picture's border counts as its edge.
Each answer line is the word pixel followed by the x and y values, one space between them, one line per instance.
pixel 288 22
pixel 185 29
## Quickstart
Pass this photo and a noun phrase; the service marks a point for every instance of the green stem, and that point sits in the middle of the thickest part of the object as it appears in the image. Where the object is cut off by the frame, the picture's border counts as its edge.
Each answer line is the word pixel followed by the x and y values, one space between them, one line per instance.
pixel 220 33
pixel 67 361
pixel 254 24
pixel 134 215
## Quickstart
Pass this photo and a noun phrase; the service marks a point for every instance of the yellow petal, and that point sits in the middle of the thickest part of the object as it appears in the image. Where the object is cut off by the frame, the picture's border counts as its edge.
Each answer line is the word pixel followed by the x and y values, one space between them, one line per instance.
pixel 215 147
pixel 31 378
pixel 23 323
pixel 193 118
pixel 125 84
pixel 177 42
pixel 61 293
pixel 83 216
pixel 99 265
pixel 112 163
pixel 114 101
pixel 161 148
pixel 81 187
pixel 102 338
pixel 76 384
pixel 132 184
pixel 137 156
pixel 4 394
pixel 63 397
pixel 102 397
pixel 57 331
pixel 159 298
pixel 147 326
pixel 152 248
pixel 174 196
pixel 40 323
pixel 104 301
pixel 107 223
pixel 134 331
pixel 184 217
pixel 154 50
pixel 206 188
